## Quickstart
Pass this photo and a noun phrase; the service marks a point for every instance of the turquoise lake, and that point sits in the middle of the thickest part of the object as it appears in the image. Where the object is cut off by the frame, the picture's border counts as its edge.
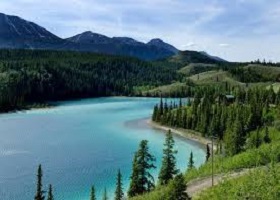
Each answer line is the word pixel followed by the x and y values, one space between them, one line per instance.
pixel 80 143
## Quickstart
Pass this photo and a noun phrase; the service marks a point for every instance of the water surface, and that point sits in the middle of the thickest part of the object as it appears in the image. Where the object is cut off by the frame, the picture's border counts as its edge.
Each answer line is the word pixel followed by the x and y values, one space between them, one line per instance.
pixel 79 143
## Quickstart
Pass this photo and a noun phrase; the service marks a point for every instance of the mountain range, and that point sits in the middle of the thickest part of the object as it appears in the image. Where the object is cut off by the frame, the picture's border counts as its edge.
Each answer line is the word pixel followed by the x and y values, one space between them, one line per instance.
pixel 17 33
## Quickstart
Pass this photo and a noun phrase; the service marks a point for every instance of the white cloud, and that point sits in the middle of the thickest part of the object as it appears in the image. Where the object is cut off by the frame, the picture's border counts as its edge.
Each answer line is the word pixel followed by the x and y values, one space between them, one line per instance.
pixel 224 45
pixel 190 44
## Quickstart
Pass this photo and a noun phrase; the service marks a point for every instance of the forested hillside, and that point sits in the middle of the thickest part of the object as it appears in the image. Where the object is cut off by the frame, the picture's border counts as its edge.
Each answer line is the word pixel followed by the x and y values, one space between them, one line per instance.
pixel 230 118
pixel 38 76
pixel 245 128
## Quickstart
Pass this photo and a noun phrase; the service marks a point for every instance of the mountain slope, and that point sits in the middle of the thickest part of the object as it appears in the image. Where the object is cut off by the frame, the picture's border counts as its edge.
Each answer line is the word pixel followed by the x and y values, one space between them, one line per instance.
pixel 161 44
pixel 187 57
pixel 89 37
pixel 125 46
pixel 214 57
pixel 19 33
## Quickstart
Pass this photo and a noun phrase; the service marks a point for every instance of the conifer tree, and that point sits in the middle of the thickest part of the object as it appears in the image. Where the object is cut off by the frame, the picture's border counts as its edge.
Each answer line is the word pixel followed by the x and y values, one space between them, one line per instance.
pixel 238 131
pixel 50 193
pixel 161 106
pixel 180 103
pixel 141 180
pixel 134 179
pixel 92 193
pixel 191 162
pixel 188 102
pixel 119 190
pixel 178 189
pixel 40 192
pixel 105 197
pixel 229 140
pixel 208 154
pixel 258 139
pixel 155 113
pixel 168 168
pixel 266 138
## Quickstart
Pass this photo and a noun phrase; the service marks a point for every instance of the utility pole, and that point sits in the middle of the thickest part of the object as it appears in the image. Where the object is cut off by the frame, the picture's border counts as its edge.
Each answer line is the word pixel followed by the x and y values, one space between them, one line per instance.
pixel 212 154
pixel 212 161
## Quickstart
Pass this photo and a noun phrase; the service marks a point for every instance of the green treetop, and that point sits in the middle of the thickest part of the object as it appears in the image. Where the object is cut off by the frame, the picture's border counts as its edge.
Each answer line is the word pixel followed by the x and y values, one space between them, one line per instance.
pixel 168 169
pixel 92 193
pixel 40 193
pixel 141 180
pixel 50 193
pixel 119 190
pixel 191 162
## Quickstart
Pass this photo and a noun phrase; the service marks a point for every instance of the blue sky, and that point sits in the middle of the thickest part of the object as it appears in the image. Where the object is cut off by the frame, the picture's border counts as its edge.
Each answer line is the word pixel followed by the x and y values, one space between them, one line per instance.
pixel 237 30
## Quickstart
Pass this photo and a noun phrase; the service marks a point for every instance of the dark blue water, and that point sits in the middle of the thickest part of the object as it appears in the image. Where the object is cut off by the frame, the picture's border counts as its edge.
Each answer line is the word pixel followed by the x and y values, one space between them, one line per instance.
pixel 79 143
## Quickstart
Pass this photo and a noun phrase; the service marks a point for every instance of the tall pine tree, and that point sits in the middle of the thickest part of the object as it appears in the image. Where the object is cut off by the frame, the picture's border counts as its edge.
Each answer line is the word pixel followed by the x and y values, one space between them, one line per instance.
pixel 168 169
pixel 92 193
pixel 178 189
pixel 40 192
pixel 208 154
pixel 50 193
pixel 134 179
pixel 119 190
pixel 191 162
pixel 142 180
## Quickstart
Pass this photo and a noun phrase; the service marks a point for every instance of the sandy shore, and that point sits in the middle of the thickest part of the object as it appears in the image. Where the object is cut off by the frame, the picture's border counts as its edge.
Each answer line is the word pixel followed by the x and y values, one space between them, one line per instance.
pixel 188 134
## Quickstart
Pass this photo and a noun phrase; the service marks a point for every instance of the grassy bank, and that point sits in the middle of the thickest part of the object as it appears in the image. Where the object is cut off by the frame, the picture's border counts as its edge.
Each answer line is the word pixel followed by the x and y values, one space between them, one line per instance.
pixel 257 184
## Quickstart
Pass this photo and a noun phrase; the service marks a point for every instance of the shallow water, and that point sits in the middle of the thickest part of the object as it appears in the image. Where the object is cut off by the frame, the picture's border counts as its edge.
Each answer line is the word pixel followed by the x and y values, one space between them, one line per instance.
pixel 79 143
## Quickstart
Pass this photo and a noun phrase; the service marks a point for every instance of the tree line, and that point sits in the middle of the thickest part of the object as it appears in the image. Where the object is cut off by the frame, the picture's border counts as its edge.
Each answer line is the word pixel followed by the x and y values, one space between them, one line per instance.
pixel 141 179
pixel 230 118
pixel 28 76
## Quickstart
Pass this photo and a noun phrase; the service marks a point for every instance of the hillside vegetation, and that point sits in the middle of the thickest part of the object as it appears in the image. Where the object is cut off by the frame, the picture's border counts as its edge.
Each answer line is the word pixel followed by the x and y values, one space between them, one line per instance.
pixel 258 184
pixel 246 129
pixel 195 68
pixel 39 76
pixel 224 75
pixel 187 57
pixel 215 77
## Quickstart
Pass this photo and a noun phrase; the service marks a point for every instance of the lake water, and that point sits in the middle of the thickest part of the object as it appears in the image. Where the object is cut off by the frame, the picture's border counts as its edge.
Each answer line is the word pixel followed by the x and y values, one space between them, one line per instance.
pixel 79 143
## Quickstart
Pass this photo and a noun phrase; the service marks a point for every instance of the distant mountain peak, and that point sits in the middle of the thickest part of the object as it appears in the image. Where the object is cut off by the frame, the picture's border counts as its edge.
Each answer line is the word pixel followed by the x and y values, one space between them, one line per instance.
pixel 89 37
pixel 161 44
pixel 155 41
pixel 17 33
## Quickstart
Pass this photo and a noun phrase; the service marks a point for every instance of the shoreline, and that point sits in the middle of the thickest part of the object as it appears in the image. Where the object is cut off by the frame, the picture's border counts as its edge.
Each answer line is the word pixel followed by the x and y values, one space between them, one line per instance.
pixel 187 134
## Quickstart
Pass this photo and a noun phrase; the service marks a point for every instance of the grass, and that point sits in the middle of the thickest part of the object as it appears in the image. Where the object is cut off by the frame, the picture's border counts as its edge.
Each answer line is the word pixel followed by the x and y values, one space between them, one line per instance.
pixel 251 158
pixel 267 71
pixel 215 78
pixel 257 184
pixel 248 159
pixel 203 74
pixel 167 90
pixel 275 86
pixel 158 194
pixel 195 68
